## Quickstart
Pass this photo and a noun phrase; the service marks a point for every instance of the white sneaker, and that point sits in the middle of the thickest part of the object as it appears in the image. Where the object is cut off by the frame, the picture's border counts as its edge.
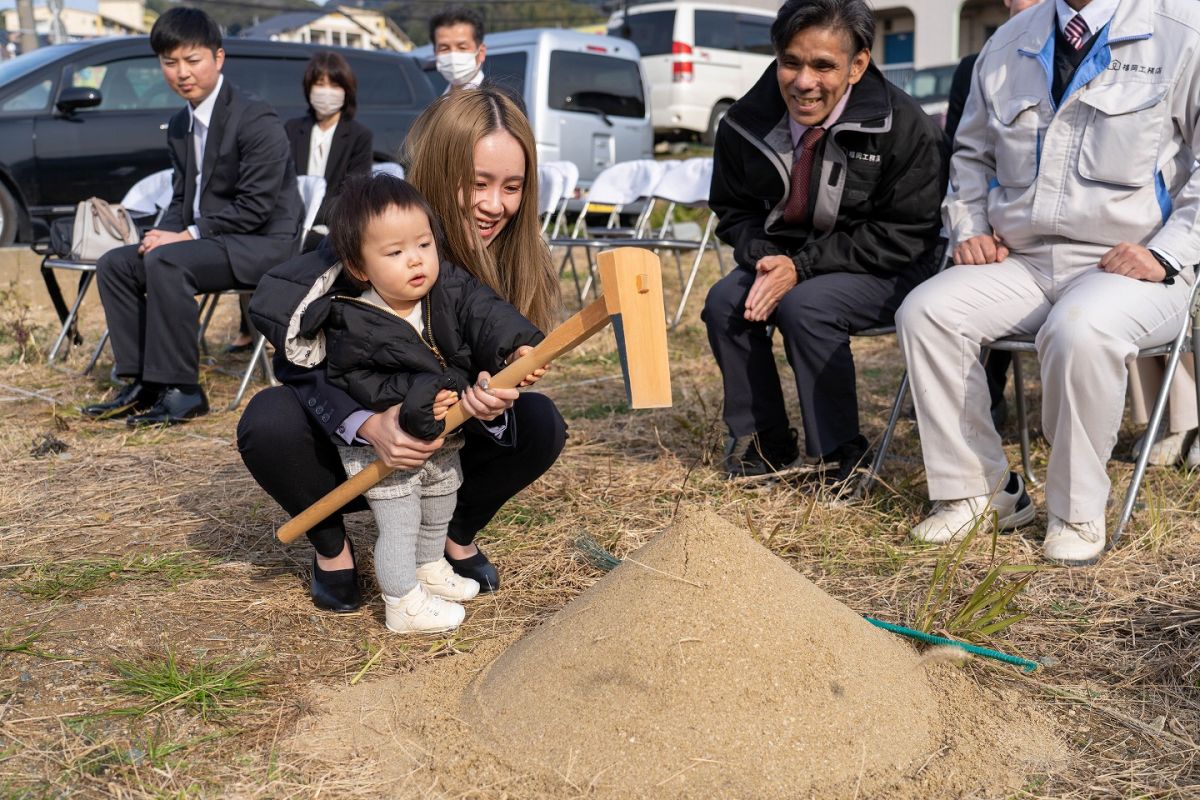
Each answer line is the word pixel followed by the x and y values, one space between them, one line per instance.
pixel 1167 450
pixel 1075 544
pixel 420 612
pixel 953 519
pixel 440 579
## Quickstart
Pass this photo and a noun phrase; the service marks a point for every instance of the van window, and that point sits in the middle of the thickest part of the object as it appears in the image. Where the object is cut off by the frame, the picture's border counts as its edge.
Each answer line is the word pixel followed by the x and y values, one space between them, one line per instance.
pixel 507 70
pixel 280 81
pixel 583 81
pixel 130 84
pixel 652 32
pixel 380 83
pixel 722 30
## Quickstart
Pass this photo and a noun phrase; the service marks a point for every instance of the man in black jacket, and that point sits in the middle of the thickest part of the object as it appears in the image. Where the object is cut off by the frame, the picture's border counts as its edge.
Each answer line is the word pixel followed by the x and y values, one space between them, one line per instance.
pixel 235 213
pixel 827 182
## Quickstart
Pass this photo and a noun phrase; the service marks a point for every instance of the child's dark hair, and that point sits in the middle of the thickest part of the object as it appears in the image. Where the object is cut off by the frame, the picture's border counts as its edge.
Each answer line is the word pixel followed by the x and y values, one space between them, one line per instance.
pixel 181 26
pixel 363 198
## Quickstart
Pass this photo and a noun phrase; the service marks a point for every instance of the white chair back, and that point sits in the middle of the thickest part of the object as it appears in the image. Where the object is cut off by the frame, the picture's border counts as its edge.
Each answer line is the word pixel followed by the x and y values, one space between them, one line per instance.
pixel 687 183
pixel 312 192
pixel 150 195
pixel 390 167
pixel 626 182
pixel 552 182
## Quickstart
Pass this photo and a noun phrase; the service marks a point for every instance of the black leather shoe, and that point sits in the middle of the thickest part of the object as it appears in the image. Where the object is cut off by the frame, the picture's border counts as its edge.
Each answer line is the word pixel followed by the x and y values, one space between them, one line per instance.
pixel 478 568
pixel 134 396
pixel 848 458
pixel 336 590
pixel 234 349
pixel 761 453
pixel 174 405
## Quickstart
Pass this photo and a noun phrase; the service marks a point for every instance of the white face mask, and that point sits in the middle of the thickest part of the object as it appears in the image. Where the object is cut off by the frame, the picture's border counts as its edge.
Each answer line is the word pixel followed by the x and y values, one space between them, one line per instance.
pixel 457 67
pixel 326 100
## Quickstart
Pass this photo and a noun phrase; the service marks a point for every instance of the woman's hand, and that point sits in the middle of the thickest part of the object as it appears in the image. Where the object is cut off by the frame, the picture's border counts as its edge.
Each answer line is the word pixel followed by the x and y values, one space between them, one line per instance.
pixel 487 404
pixel 396 447
pixel 441 404
pixel 533 377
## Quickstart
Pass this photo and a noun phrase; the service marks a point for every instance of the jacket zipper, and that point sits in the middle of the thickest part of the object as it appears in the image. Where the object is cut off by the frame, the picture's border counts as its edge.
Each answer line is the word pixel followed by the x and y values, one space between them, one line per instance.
pixel 431 344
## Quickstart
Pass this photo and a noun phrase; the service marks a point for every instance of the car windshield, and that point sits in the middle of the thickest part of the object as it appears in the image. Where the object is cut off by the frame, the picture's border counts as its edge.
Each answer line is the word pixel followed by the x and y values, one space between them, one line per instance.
pixel 22 65
pixel 930 84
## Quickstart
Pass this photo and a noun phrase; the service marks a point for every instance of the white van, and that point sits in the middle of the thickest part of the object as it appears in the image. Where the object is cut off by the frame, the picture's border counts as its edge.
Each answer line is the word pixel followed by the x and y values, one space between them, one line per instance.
pixel 698 58
pixel 584 94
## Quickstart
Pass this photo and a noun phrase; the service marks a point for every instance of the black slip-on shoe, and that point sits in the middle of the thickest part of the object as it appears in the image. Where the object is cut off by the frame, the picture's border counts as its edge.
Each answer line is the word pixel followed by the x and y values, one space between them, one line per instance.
pixel 132 398
pixel 176 404
pixel 336 590
pixel 477 568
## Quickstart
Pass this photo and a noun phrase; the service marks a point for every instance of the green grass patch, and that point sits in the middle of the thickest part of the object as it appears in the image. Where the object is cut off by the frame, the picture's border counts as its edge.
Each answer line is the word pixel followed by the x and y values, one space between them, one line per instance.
pixel 599 410
pixel 72 578
pixel 209 689
pixel 24 644
pixel 521 516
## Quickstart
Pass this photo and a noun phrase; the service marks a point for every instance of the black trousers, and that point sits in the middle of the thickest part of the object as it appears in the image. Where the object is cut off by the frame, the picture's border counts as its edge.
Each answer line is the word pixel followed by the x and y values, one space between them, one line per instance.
pixel 150 306
pixel 815 320
pixel 293 459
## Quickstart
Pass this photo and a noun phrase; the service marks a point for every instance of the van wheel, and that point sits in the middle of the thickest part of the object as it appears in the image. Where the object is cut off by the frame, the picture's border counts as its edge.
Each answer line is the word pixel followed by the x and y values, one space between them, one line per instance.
pixel 8 217
pixel 714 119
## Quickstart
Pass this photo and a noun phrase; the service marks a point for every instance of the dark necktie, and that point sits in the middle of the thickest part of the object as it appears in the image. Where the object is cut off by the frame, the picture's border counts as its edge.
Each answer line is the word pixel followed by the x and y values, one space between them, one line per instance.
pixel 1076 31
pixel 796 210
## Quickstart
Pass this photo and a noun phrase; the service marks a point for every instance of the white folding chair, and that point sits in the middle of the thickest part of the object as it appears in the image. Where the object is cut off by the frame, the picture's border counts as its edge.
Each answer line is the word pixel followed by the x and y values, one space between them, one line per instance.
pixel 312 193
pixel 570 172
pixel 389 167
pixel 148 197
pixel 613 189
pixel 552 183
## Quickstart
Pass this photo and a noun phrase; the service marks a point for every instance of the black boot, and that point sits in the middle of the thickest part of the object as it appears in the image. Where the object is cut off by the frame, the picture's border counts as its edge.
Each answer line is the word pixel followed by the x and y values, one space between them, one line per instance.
pixel 848 457
pixel 761 453
pixel 133 397
pixel 477 568
pixel 336 590
pixel 176 404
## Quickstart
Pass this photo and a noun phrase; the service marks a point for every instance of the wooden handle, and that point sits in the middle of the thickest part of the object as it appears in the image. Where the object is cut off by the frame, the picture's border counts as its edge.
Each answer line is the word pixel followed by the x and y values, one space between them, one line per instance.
pixel 561 340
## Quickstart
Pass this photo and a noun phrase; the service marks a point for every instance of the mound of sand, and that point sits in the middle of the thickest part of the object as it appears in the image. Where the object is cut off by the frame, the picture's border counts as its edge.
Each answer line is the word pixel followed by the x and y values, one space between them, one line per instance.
pixel 703 666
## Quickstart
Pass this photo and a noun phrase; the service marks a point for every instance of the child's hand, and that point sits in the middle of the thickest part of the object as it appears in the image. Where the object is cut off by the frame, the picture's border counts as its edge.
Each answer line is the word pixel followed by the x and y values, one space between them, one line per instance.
pixel 533 377
pixel 441 404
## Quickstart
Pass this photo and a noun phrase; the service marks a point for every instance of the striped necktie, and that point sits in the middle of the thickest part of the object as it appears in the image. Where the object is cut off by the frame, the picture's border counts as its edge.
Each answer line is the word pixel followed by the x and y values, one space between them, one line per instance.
pixel 1076 31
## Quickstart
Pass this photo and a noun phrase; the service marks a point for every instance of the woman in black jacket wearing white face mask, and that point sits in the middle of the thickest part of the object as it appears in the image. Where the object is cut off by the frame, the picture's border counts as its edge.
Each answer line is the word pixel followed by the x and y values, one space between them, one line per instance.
pixel 327 141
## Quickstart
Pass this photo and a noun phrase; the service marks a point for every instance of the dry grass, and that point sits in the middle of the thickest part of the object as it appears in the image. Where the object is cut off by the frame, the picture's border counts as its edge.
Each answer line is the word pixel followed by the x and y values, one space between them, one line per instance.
pixel 129 546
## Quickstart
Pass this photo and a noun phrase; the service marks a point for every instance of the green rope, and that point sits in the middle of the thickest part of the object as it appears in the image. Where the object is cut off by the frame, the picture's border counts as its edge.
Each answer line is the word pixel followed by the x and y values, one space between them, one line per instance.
pixel 1025 664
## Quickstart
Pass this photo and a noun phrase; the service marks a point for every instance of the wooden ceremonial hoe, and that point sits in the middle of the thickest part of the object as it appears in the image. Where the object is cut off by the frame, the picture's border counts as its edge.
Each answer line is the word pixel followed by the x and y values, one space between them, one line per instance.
pixel 633 301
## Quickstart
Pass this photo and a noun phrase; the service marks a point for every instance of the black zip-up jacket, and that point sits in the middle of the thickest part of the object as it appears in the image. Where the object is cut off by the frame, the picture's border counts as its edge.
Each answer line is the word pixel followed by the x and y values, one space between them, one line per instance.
pixel 377 357
pixel 877 192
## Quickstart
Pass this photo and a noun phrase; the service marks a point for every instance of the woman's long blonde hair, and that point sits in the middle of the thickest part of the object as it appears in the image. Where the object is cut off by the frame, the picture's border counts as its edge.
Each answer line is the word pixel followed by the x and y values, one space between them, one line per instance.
pixel 439 156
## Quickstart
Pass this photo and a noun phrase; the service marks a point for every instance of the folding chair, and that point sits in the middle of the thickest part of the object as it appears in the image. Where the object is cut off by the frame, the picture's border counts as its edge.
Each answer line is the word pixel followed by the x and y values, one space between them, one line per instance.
pixel 552 184
pixel 312 193
pixel 613 189
pixel 1020 345
pixel 570 172
pixel 389 167
pixel 149 197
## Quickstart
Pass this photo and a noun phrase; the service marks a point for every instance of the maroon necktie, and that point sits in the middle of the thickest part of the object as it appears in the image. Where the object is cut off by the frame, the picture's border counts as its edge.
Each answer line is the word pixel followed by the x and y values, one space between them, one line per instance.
pixel 796 210
pixel 1076 31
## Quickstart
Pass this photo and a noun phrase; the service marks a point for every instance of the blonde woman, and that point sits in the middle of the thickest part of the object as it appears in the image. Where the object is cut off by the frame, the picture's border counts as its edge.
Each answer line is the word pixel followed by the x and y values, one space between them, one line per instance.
pixel 472 155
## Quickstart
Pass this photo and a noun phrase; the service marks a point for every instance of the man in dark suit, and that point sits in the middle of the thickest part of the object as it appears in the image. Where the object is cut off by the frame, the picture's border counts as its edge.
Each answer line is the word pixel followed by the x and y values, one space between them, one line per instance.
pixel 235 213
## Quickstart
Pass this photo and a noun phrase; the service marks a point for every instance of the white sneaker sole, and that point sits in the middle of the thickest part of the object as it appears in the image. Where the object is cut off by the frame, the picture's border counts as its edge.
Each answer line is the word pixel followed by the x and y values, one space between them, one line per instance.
pixel 1019 517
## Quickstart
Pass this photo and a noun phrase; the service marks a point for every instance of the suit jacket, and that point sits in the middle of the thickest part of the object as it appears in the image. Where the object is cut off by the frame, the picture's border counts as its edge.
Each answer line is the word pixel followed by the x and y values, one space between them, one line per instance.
pixel 248 199
pixel 350 154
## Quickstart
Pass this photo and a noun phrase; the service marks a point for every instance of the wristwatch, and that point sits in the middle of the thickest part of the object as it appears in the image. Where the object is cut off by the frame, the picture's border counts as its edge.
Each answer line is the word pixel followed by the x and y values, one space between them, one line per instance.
pixel 1167 267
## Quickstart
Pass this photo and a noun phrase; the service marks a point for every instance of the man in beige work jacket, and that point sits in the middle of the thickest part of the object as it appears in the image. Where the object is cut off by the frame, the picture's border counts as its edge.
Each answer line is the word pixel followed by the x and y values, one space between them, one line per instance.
pixel 1074 208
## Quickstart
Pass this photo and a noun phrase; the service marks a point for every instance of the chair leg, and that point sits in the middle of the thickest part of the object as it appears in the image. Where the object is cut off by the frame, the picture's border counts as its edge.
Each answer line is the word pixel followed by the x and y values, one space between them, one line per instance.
pixel 85 281
pixel 208 307
pixel 248 374
pixel 96 353
pixel 1156 417
pixel 872 475
pixel 1022 418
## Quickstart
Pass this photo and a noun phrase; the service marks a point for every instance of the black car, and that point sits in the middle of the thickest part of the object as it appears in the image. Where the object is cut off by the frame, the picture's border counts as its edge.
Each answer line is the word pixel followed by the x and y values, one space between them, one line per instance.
pixel 89 118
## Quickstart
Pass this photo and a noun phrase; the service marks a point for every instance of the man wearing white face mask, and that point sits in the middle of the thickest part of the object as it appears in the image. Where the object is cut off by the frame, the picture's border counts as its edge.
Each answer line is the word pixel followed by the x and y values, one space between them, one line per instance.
pixel 457 37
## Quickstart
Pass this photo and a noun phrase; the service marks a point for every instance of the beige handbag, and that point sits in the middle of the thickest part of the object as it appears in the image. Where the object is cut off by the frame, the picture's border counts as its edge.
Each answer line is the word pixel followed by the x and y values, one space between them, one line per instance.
pixel 99 227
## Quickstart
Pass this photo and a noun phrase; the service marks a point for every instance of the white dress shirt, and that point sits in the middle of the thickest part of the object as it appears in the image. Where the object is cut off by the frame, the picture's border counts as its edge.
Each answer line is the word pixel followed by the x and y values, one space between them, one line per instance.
pixel 471 84
pixel 1096 14
pixel 201 119
pixel 319 145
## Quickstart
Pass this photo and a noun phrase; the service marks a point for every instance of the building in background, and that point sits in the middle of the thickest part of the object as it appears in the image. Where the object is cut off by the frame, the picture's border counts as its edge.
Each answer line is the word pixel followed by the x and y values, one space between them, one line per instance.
pixel 915 34
pixel 344 27
pixel 81 19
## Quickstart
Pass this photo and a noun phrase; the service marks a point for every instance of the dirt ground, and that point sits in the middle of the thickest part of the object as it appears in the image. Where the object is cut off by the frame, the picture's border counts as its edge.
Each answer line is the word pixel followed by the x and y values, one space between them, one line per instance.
pixel 156 640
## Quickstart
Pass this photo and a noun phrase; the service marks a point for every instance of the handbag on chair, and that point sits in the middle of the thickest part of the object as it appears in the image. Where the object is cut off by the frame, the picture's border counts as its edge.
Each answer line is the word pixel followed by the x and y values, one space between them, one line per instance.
pixel 101 226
